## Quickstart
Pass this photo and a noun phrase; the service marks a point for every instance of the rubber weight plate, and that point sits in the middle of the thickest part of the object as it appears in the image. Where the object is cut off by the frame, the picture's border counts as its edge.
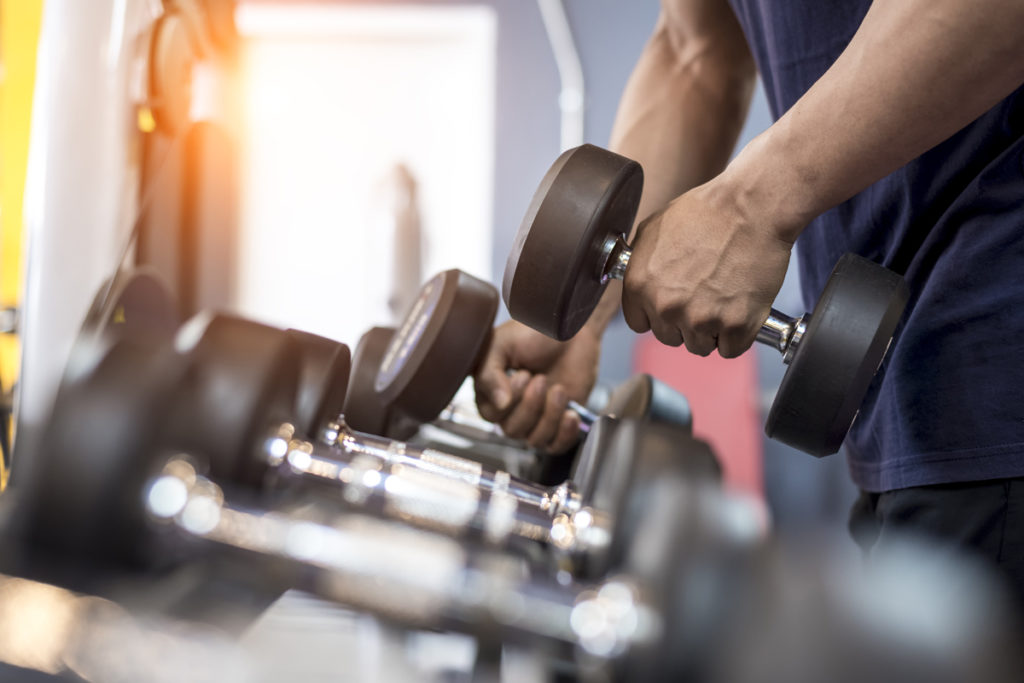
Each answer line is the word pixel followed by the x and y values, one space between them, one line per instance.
pixel 644 397
pixel 241 377
pixel 552 277
pixel 323 383
pixel 134 304
pixel 437 345
pixel 634 455
pixel 591 457
pixel 844 345
pixel 83 493
pixel 365 410
pixel 695 552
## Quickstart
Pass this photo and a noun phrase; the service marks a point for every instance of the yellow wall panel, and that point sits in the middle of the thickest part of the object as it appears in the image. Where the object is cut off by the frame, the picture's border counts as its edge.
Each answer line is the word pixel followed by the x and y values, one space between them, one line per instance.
pixel 19 38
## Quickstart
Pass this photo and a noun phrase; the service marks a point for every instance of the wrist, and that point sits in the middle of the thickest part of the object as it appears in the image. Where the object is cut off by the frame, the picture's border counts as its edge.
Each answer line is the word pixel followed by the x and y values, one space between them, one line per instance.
pixel 771 187
pixel 602 316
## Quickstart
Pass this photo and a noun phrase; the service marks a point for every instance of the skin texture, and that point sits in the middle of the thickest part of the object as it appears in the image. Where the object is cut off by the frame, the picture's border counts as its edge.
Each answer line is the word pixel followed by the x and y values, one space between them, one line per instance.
pixel 712 255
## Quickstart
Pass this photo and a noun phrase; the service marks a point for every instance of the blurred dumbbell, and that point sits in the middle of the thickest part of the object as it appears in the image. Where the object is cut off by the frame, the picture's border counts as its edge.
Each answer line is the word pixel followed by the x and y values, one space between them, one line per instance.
pixel 572 242
pixel 132 304
pixel 410 376
pixel 110 484
pixel 697 597
pixel 250 440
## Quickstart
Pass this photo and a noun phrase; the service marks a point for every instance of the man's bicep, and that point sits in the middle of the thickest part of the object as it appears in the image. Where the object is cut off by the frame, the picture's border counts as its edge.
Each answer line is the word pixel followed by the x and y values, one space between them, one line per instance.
pixel 698 26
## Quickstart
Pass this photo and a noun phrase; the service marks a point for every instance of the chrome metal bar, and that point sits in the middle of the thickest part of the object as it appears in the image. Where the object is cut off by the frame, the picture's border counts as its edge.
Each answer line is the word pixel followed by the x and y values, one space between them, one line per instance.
pixel 429 488
pixel 777 330
pixel 417 578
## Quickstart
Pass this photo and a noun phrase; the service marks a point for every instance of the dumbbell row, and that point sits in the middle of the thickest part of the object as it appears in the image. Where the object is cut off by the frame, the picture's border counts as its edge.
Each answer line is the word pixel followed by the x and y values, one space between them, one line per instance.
pixel 673 607
pixel 388 478
pixel 410 482
pixel 140 476
pixel 697 597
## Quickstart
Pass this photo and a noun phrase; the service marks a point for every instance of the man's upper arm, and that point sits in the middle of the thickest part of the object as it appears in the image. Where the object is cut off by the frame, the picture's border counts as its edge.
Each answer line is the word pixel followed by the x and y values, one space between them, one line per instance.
pixel 702 27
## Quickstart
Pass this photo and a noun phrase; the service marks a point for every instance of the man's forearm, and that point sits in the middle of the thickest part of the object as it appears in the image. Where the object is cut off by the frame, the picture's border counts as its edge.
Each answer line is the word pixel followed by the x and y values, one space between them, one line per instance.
pixel 915 72
pixel 680 115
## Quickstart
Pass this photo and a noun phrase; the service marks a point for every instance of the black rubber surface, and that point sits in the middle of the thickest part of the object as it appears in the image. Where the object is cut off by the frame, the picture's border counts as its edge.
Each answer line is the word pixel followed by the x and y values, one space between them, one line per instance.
pixel 592 454
pixel 324 381
pixel 83 497
pixel 134 305
pixel 366 410
pixel 241 378
pixel 551 280
pixel 632 459
pixel 842 348
pixel 438 344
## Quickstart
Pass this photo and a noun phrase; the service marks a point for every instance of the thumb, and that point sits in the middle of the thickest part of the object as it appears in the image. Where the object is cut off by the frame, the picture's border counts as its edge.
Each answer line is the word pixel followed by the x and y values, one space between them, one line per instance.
pixel 493 384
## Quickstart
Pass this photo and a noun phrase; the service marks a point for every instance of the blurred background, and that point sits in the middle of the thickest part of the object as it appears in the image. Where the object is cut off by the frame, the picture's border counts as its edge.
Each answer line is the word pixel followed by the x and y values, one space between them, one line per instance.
pixel 310 164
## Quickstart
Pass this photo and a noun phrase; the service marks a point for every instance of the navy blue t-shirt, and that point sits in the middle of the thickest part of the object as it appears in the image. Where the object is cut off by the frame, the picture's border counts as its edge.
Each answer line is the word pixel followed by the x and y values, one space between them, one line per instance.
pixel 948 405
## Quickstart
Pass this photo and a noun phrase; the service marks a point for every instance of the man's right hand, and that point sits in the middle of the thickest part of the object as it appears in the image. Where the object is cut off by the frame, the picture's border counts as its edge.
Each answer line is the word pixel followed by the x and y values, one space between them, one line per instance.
pixel 531 402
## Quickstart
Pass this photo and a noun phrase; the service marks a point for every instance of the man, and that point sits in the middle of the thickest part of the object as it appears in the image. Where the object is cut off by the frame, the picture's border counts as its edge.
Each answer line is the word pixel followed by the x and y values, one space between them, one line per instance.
pixel 899 137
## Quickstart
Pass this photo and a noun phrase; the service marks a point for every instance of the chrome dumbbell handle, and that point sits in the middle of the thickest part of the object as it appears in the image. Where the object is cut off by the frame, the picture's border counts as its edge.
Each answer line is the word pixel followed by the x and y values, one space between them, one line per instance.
pixel 435 490
pixel 428 580
pixel 780 331
pixel 468 424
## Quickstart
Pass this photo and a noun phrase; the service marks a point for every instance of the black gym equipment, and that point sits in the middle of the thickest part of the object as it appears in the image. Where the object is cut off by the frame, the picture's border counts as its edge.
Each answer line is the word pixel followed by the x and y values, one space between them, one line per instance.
pixel 441 341
pixel 572 242
pixel 697 596
pixel 323 384
pixel 252 439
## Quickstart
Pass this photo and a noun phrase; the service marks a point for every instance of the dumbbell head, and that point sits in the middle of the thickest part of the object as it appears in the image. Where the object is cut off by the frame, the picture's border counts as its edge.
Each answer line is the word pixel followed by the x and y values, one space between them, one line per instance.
pixel 616 472
pixel 82 493
pixel 437 345
pixel 842 348
pixel 323 382
pixel 133 304
pixel 554 276
pixel 239 378
pixel 645 397
pixel 366 410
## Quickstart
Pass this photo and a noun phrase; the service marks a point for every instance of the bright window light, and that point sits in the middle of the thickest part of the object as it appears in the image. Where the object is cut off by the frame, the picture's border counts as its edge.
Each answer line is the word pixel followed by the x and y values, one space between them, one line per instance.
pixel 345 109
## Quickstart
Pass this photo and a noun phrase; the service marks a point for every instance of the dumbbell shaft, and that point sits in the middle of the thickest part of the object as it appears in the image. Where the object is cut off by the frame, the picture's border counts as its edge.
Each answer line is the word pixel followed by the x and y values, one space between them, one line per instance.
pixel 417 578
pixel 473 427
pixel 435 490
pixel 780 331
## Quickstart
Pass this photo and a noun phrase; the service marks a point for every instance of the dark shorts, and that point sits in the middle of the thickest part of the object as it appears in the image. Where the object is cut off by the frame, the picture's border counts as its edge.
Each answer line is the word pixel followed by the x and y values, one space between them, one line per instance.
pixel 984 519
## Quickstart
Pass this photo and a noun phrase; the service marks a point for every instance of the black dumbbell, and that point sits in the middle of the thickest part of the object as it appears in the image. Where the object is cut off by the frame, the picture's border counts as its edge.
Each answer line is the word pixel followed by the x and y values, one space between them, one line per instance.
pixel 440 342
pixel 697 597
pixel 252 438
pixel 109 484
pixel 132 304
pixel 572 242
pixel 323 382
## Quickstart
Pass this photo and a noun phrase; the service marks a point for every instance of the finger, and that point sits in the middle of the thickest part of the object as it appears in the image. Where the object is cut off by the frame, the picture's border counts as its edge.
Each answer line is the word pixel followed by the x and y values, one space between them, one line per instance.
pixel 699 340
pixel 699 343
pixel 518 381
pixel 667 333
pixel 736 339
pixel 568 433
pixel 633 310
pixel 547 425
pixel 494 391
pixel 525 414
